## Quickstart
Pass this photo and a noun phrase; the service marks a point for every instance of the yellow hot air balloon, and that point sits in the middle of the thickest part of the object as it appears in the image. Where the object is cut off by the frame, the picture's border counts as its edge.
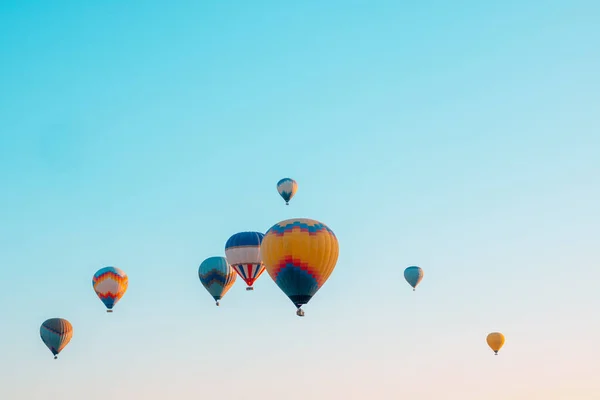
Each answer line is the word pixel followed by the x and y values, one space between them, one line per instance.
pixel 495 340
pixel 299 255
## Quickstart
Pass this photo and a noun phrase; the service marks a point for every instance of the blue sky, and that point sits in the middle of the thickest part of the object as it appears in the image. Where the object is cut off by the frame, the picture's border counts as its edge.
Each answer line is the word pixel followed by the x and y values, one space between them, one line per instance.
pixel 463 138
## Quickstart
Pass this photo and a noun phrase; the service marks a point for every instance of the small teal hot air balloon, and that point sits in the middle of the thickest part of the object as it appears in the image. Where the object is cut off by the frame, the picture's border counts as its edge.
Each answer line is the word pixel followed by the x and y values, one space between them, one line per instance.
pixel 413 275
pixel 56 333
pixel 216 276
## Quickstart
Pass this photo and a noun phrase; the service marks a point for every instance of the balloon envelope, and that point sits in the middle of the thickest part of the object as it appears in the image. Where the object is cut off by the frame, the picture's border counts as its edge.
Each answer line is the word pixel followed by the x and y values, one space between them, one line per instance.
pixel 300 255
pixel 287 188
pixel 110 284
pixel 495 340
pixel 56 333
pixel 413 275
pixel 217 276
pixel 242 252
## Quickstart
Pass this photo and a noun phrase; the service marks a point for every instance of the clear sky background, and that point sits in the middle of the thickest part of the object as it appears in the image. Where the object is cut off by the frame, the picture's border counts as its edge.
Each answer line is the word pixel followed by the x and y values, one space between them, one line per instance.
pixel 462 137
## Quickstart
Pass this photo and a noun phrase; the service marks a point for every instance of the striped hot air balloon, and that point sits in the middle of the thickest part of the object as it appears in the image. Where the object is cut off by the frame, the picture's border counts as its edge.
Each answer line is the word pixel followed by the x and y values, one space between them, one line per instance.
pixel 56 333
pixel 287 188
pixel 217 276
pixel 242 251
pixel 110 284
pixel 300 255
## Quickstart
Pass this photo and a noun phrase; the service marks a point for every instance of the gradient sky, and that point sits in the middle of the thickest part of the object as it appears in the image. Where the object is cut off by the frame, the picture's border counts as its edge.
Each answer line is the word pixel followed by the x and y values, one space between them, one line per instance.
pixel 462 137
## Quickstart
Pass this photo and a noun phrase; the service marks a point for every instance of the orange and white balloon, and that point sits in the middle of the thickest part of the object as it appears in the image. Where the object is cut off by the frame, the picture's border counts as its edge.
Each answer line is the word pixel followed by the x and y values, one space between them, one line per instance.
pixel 110 284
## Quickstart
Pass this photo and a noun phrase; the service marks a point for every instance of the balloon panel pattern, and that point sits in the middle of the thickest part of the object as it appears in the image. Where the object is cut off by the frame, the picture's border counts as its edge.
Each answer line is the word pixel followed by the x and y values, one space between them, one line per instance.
pixel 300 255
pixel 216 276
pixel 242 251
pixel 56 333
pixel 287 188
pixel 110 284
pixel 413 275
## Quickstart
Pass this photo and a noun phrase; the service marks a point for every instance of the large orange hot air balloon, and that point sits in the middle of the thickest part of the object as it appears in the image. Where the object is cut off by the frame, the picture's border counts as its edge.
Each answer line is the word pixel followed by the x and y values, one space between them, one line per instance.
pixel 299 255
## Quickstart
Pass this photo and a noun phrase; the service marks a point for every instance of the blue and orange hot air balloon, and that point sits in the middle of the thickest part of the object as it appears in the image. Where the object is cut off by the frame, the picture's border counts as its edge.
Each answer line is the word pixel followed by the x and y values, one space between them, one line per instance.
pixel 287 188
pixel 110 284
pixel 300 255
pixel 413 275
pixel 242 251
pixel 217 276
pixel 56 333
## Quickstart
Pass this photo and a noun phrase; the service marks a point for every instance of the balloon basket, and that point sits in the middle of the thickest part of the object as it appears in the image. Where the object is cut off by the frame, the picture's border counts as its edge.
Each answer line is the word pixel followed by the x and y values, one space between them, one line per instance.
pixel 109 310
pixel 55 357
pixel 217 303
pixel 249 288
pixel 300 312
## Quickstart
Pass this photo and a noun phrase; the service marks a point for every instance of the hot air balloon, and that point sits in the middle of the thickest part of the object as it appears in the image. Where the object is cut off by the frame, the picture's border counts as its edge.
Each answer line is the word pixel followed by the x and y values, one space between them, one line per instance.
pixel 242 251
pixel 495 340
pixel 216 276
pixel 287 188
pixel 413 275
pixel 56 333
pixel 110 284
pixel 300 255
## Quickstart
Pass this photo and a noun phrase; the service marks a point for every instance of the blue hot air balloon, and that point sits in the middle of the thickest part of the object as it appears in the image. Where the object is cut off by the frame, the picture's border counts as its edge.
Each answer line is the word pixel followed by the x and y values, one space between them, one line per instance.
pixel 287 188
pixel 242 252
pixel 217 276
pixel 413 275
pixel 56 333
